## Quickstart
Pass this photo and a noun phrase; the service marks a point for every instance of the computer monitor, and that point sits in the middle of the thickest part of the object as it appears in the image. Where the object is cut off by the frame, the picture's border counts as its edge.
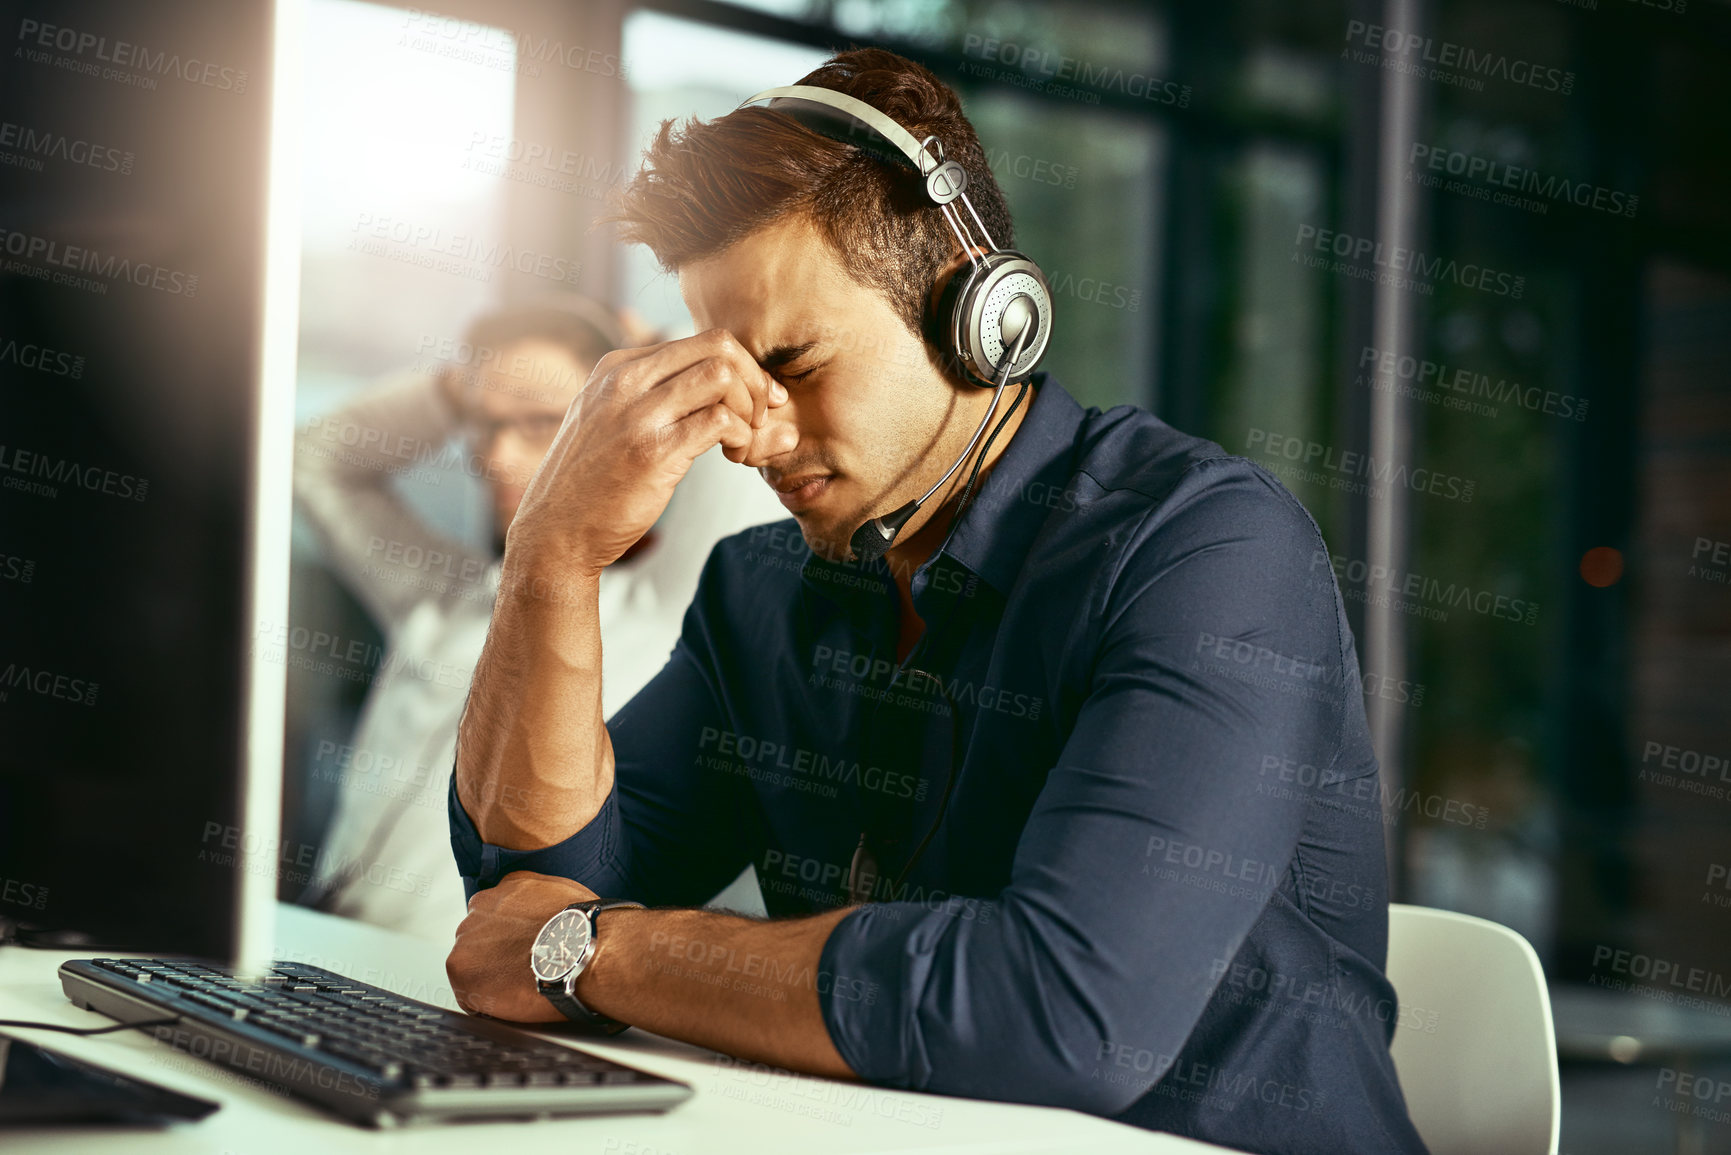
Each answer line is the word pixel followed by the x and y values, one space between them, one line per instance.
pixel 145 425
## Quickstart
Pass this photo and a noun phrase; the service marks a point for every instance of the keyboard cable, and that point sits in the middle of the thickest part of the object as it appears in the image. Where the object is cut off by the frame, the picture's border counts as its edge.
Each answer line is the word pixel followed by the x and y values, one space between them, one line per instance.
pixel 86 1030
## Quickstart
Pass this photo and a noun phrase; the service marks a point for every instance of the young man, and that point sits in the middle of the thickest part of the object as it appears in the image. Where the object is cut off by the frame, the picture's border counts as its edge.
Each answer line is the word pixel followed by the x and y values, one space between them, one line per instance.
pixel 385 858
pixel 1115 826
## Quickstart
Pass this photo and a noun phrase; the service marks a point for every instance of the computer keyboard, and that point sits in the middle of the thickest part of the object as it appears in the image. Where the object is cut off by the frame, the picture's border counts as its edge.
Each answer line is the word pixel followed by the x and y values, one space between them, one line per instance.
pixel 372 1056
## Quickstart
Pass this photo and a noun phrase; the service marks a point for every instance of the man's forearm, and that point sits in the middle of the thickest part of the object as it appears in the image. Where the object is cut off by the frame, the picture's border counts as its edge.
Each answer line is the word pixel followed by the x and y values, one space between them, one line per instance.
pixel 743 986
pixel 534 761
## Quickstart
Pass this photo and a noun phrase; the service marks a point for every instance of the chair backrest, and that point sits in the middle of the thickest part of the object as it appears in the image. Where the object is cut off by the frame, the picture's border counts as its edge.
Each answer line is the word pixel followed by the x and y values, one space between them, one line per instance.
pixel 1474 1044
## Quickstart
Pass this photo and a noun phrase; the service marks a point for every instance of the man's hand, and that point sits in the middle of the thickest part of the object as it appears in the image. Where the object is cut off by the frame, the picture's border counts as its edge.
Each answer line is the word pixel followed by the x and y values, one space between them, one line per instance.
pixel 489 965
pixel 643 417
pixel 742 986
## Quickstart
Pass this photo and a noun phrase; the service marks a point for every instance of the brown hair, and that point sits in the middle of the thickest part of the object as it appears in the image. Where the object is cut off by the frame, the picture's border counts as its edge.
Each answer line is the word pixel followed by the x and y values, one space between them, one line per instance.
pixel 705 186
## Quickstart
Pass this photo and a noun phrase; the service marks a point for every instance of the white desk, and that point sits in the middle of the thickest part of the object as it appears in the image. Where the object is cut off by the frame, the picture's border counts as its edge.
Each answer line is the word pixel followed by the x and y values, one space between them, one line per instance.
pixel 743 1110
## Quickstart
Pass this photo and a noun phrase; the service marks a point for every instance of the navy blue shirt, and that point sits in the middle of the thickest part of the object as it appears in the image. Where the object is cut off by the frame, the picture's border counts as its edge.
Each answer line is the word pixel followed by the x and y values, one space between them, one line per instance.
pixel 1122 801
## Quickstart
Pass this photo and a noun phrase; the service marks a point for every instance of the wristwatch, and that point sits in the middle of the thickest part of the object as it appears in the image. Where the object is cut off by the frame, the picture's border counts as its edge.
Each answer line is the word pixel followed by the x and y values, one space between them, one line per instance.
pixel 561 951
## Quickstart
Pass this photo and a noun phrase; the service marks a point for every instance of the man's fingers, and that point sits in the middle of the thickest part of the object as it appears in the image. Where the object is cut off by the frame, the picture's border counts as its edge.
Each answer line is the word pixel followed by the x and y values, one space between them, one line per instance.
pixel 630 373
pixel 693 434
pixel 699 386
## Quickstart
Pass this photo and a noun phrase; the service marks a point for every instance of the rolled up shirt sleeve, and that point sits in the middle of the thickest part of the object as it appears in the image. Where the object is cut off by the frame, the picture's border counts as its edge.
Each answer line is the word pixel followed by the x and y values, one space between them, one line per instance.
pixel 586 856
pixel 671 832
pixel 1150 851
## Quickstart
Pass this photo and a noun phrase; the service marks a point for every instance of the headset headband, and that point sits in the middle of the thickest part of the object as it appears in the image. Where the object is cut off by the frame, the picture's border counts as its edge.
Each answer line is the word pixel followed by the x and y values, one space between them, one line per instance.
pixel 945 180
pixel 918 156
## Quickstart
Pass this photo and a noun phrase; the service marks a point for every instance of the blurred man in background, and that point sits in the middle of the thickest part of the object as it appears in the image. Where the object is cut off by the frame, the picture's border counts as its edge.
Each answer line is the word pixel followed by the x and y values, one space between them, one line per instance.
pixel 386 857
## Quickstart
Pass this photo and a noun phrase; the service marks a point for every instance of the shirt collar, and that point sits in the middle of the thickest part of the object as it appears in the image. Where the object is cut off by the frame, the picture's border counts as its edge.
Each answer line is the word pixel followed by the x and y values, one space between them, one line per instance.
pixel 1022 490
pixel 1005 512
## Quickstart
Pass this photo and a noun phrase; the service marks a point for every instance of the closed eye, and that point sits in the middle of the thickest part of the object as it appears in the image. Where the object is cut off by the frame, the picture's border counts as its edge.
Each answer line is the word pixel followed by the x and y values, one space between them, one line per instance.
pixel 792 380
pixel 776 361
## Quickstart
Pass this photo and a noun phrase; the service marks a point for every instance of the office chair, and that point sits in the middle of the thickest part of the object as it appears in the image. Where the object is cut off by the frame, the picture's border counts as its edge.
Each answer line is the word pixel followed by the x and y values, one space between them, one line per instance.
pixel 1485 1078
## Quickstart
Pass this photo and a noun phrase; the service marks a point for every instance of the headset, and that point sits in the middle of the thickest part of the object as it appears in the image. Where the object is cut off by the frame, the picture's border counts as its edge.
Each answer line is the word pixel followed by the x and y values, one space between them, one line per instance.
pixel 994 317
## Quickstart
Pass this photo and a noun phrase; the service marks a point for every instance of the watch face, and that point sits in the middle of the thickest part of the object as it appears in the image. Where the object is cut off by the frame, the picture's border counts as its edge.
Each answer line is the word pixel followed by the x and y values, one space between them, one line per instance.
pixel 560 945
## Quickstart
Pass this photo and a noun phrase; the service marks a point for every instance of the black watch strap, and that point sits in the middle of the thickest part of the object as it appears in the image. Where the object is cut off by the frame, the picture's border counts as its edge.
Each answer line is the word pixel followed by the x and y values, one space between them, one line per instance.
pixel 562 994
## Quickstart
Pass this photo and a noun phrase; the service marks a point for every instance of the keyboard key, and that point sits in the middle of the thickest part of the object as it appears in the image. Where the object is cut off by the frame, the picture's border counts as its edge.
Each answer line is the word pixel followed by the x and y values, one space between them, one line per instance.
pixel 574 1077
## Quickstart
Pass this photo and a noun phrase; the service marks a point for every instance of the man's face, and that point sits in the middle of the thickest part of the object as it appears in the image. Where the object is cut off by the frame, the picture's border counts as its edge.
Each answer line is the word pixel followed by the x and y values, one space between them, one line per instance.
pixel 513 412
pixel 868 413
